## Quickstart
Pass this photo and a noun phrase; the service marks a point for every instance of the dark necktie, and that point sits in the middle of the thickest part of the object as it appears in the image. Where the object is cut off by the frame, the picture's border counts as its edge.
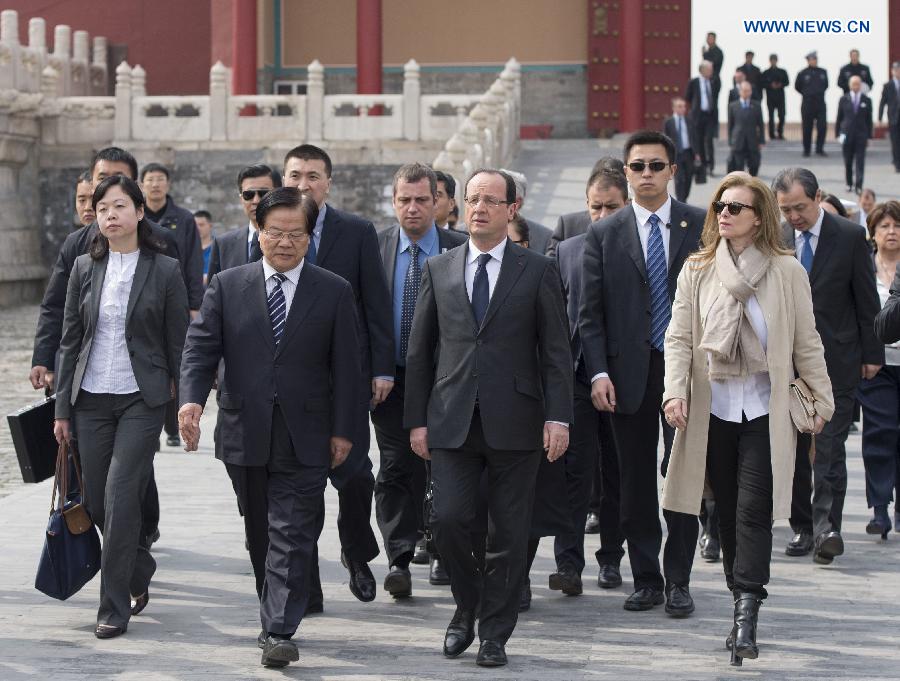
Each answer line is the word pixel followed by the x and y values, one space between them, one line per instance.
pixel 678 128
pixel 255 250
pixel 658 275
pixel 311 251
pixel 855 103
pixel 481 292
pixel 410 294
pixel 806 252
pixel 277 307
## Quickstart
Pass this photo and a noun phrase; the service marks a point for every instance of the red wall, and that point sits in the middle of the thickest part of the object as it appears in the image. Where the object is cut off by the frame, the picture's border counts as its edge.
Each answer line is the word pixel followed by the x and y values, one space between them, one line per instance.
pixel 169 38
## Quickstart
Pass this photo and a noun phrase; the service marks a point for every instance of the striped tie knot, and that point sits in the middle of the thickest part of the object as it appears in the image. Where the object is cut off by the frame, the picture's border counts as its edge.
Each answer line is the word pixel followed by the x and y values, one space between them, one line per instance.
pixel 277 306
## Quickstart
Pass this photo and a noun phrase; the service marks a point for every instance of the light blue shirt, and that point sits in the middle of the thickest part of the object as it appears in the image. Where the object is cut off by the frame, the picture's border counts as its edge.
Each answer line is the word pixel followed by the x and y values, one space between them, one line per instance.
pixel 429 245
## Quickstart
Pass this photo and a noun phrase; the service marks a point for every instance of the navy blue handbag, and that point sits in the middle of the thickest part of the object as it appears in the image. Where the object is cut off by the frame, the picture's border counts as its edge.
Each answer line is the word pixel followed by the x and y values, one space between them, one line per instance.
pixel 71 555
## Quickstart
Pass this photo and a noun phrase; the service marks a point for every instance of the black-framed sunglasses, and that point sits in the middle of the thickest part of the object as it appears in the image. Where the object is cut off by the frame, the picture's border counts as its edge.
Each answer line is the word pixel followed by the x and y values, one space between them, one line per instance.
pixel 248 194
pixel 655 166
pixel 734 207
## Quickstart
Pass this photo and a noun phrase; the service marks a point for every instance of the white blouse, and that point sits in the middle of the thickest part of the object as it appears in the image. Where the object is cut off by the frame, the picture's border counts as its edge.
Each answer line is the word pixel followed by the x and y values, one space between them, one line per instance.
pixel 109 368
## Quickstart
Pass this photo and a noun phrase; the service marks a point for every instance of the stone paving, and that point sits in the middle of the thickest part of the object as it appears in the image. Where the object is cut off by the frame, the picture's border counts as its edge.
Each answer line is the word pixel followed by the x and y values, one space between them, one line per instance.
pixel 835 622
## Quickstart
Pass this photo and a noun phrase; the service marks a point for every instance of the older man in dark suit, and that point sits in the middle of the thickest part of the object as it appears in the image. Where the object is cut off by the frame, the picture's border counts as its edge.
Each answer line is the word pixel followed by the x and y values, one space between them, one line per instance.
pixel 890 100
pixel 702 93
pixel 854 128
pixel 290 406
pixel 631 264
pixel 400 486
pixel 682 134
pixel 746 131
pixel 845 301
pixel 488 381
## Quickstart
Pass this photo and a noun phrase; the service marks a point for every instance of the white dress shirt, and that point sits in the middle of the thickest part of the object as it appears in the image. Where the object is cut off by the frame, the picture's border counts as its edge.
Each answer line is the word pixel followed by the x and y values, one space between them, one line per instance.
pixel 288 286
pixel 493 266
pixel 109 369
pixel 737 397
pixel 682 125
pixel 800 242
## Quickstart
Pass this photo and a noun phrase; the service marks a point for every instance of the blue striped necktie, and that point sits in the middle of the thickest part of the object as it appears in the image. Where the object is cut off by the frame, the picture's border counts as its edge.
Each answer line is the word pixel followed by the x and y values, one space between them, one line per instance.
pixel 658 274
pixel 277 307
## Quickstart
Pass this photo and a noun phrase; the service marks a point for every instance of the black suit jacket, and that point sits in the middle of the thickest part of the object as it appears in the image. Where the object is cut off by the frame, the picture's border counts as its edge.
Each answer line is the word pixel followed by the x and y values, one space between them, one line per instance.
pixel 887 323
pixel 567 226
pixel 155 324
pixel 180 222
pixel 845 299
pixel 570 260
pixel 615 310
pixel 671 130
pixel 517 364
pixel 769 77
pixel 692 95
pixel 349 248
pixel 314 371
pixel 890 101
pixel 229 250
pixel 745 126
pixel 50 319
pixel 856 125
pixel 390 237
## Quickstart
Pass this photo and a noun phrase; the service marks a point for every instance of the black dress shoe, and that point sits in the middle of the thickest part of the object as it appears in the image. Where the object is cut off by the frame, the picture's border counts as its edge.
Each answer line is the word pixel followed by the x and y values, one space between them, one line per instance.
pixel 609 576
pixel 566 580
pixel 109 631
pixel 398 582
pixel 828 546
pixel 362 582
pixel 880 522
pixel 139 603
pixel 261 639
pixel 438 575
pixel 278 652
pixel 822 153
pixel 173 441
pixel 491 654
pixel 710 550
pixel 152 538
pixel 421 555
pixel 678 600
pixel 800 545
pixel 460 633
pixel 645 599
pixel 525 596
pixel 701 541
pixel 592 524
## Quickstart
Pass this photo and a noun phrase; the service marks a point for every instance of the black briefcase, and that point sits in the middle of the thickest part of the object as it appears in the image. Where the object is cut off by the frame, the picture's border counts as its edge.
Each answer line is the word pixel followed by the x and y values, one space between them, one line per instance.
pixel 32 434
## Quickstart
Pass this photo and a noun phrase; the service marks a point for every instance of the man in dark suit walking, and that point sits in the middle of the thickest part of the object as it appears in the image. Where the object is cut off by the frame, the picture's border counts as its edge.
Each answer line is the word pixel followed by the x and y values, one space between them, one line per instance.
pixel 890 100
pixel 845 301
pixel 240 246
pixel 752 73
pixel 539 236
pixel 289 413
pixel 631 264
pixel 488 381
pixel 774 80
pixel 677 129
pixel 746 132
pixel 347 245
pixel 853 128
pixel 400 486
pixel 702 93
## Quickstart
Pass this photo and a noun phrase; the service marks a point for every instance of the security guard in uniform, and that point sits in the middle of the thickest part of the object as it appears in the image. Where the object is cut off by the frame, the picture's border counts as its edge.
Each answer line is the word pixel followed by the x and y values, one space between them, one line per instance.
pixel 811 83
pixel 854 68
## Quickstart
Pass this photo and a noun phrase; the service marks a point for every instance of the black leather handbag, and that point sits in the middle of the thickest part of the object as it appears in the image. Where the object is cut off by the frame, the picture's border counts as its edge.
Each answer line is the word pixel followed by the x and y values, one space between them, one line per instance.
pixel 32 434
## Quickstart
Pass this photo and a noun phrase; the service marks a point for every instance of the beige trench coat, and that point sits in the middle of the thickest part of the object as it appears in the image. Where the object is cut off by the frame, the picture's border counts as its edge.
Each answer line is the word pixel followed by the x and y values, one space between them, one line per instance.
pixel 784 297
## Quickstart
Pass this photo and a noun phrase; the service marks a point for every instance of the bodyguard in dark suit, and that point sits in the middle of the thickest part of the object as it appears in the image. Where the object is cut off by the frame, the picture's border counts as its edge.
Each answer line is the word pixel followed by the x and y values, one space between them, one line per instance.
pixel 702 93
pixel 347 245
pixel 811 83
pixel 289 412
pixel 400 486
pixel 240 246
pixel 631 263
pixel 890 100
pixel 774 80
pixel 845 301
pixel 677 129
pixel 752 73
pixel 567 226
pixel 854 68
pixel 854 123
pixel 746 132
pixel 488 381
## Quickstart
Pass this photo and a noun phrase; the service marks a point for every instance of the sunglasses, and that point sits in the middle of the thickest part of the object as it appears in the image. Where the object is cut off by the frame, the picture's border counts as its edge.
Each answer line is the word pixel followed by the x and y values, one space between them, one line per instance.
pixel 734 207
pixel 655 166
pixel 248 194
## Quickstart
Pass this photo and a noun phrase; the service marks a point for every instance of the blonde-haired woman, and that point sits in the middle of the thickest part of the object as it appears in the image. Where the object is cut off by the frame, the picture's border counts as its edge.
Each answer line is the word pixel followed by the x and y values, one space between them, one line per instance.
pixel 742 320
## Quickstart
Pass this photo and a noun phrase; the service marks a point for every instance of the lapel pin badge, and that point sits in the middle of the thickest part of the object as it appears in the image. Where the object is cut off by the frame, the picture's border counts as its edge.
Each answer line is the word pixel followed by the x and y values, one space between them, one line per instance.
pixel 683 224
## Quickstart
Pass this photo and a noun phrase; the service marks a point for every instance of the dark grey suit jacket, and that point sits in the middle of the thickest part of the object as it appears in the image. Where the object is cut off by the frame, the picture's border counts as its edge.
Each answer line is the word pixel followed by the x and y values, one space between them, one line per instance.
pixel 314 371
pixel 746 129
pixel 390 237
pixel 517 364
pixel 156 322
pixel 567 226
pixel 570 260
pixel 615 310
pixel 856 125
pixel 887 323
pixel 538 236
pixel 845 299
pixel 229 250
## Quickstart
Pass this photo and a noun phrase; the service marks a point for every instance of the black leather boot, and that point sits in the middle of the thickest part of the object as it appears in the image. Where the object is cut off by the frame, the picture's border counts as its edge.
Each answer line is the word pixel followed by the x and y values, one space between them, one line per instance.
pixel 746 617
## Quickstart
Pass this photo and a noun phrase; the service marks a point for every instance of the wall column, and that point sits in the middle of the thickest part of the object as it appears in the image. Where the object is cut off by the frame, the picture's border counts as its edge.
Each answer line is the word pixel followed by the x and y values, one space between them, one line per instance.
pixel 631 67
pixel 368 47
pixel 243 47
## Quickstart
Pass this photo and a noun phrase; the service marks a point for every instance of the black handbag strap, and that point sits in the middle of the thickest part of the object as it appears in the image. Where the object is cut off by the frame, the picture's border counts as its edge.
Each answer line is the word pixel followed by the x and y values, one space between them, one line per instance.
pixel 61 477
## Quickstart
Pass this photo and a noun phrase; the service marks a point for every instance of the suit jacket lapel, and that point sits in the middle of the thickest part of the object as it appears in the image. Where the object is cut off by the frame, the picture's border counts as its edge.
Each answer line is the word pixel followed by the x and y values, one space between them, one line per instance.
pixel 331 227
pixel 457 271
pixel 304 296
pixel 141 270
pixel 823 248
pixel 677 234
pixel 245 245
pixel 630 240
pixel 510 270
pixel 98 273
pixel 389 256
pixel 254 291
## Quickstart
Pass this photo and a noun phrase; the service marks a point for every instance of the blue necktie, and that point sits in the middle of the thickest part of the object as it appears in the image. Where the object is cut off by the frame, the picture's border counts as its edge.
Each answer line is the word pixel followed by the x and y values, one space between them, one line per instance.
pixel 410 295
pixel 481 292
pixel 311 251
pixel 254 252
pixel 806 252
pixel 658 274
pixel 277 307
pixel 678 128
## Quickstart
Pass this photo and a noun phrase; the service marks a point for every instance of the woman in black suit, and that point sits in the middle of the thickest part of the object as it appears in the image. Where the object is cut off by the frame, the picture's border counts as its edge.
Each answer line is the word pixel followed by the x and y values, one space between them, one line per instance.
pixel 125 320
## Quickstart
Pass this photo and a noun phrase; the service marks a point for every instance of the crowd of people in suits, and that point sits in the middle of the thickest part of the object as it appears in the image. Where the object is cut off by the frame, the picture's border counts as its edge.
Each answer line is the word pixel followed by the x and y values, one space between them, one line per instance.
pixel 517 379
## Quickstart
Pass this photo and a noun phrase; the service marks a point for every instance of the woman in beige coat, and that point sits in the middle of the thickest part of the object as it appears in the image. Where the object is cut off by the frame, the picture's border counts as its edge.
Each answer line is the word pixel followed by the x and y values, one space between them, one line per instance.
pixel 742 320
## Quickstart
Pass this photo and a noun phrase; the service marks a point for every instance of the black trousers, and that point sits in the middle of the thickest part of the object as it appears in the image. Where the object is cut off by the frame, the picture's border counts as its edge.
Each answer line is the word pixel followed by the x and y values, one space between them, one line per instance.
pixel 637 439
pixel 739 469
pixel 150 507
pixel 825 511
pixel 855 160
pixel 812 111
pixel 745 158
pixel 880 400
pixel 895 144
pixel 400 485
pixel 775 105
pixel 283 518
pixel 705 127
pixel 171 423
pixel 457 477
pixel 685 174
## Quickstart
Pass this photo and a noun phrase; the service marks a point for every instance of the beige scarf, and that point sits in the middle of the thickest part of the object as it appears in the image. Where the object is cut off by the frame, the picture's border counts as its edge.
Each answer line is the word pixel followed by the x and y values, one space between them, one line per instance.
pixel 734 348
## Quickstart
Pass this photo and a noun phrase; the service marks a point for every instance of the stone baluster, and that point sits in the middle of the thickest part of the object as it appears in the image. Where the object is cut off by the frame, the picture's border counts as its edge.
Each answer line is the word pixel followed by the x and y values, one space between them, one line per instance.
pixel 478 117
pixel 123 103
pixel 80 63
pixel 515 70
pixel 9 50
pixel 61 57
pixel 412 100
pixel 37 35
pixel 498 91
pixel 456 154
pixel 315 101
pixel 49 84
pixel 138 82
pixel 9 27
pixel 218 101
pixel 468 133
pixel 99 76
